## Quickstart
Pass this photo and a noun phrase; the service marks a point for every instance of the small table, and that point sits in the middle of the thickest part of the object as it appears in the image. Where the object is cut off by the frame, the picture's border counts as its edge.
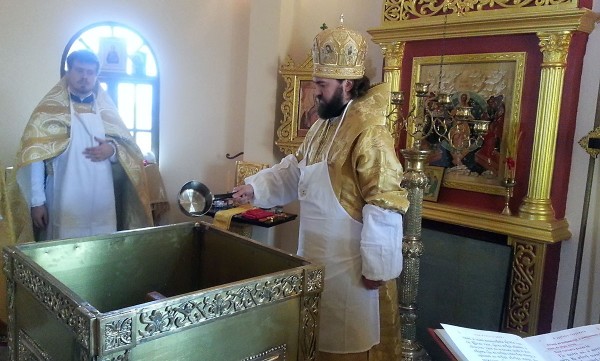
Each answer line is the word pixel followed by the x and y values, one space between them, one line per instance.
pixel 267 222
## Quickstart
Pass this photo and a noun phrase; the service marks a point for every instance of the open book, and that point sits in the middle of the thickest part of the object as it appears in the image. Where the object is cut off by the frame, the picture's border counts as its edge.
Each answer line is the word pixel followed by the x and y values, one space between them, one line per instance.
pixel 466 344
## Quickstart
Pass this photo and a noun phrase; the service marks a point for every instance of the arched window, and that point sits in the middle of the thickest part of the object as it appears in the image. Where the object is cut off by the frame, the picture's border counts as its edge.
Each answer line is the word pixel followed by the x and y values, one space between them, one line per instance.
pixel 128 72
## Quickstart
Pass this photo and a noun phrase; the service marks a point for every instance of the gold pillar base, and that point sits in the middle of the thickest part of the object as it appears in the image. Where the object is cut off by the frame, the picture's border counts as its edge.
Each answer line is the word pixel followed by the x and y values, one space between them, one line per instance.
pixel 413 351
pixel 536 209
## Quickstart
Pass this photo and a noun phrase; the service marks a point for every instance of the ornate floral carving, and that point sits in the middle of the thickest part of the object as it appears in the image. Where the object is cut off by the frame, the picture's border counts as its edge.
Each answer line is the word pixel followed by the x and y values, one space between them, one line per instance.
pixel 314 280
pixel 308 337
pixel 398 10
pixel 118 333
pixel 521 293
pixel 218 304
pixel 55 301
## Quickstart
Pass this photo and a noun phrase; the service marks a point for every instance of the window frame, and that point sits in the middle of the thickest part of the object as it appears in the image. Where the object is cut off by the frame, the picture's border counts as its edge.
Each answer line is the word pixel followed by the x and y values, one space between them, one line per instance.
pixel 112 80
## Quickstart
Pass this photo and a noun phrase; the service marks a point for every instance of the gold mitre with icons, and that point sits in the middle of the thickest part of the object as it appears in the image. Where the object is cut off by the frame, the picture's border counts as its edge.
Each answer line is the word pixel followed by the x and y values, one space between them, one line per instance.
pixel 339 53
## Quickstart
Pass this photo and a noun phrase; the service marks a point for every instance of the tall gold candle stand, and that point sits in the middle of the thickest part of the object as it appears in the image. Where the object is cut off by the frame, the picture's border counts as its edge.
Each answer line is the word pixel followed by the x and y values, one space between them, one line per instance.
pixel 415 180
pixel 463 133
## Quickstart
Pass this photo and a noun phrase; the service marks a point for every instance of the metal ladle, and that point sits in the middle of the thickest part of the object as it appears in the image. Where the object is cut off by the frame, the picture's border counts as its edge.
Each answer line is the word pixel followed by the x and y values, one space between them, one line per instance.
pixel 195 199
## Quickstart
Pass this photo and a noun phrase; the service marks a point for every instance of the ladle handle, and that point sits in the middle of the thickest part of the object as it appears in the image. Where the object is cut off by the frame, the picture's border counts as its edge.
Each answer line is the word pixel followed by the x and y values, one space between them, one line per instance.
pixel 222 196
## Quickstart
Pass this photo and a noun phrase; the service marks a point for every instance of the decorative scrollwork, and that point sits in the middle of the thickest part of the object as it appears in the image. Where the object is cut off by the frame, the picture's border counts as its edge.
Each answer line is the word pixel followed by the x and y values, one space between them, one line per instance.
pixel 308 336
pixel 314 280
pixel 521 293
pixel 399 10
pixel 62 307
pixel 118 333
pixel 415 179
pixel 218 304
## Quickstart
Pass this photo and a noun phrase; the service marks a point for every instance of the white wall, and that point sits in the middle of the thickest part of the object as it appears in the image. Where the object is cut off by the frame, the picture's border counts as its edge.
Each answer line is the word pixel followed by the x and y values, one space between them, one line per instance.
pixel 279 28
pixel 588 298
pixel 291 25
pixel 201 49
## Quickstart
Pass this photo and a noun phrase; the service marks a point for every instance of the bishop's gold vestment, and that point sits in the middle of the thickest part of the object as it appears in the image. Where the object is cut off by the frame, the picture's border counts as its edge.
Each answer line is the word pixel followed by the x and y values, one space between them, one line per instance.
pixel 363 165
pixel 364 172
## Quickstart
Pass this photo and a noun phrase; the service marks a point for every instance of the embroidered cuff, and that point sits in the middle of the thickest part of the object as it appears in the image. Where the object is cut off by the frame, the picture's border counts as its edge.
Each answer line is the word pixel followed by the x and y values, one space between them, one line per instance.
pixel 113 157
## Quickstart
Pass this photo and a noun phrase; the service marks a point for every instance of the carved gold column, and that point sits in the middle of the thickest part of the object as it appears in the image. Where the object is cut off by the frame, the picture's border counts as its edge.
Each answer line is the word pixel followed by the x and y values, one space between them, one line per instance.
pixel 393 54
pixel 537 204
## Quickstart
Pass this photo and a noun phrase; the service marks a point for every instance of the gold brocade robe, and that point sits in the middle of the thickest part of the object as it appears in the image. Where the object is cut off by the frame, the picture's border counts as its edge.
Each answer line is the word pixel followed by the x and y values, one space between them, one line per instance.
pixel 364 169
pixel 362 162
pixel 11 208
pixel 47 135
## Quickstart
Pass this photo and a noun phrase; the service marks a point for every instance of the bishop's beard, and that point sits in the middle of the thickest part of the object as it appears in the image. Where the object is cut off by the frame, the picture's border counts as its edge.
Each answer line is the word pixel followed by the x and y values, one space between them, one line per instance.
pixel 334 107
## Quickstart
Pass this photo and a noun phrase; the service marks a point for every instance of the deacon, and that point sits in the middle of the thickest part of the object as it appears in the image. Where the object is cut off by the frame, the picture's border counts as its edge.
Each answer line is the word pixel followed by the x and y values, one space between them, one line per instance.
pixel 75 153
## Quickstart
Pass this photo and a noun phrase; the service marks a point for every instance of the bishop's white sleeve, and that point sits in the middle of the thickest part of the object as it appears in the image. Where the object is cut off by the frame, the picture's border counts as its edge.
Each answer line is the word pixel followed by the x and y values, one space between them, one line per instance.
pixel 277 185
pixel 381 243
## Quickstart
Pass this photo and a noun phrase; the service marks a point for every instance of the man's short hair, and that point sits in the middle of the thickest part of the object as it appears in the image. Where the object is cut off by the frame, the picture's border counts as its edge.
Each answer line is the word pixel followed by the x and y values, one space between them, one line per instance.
pixel 360 88
pixel 83 56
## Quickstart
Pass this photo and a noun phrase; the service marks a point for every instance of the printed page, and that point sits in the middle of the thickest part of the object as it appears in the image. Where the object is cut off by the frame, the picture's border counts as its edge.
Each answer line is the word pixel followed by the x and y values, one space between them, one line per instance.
pixel 478 345
pixel 580 343
pixel 443 335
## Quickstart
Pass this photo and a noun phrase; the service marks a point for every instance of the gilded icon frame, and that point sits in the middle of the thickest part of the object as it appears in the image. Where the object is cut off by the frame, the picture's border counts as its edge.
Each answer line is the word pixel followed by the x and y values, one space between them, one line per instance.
pixel 435 177
pixel 298 84
pixel 478 77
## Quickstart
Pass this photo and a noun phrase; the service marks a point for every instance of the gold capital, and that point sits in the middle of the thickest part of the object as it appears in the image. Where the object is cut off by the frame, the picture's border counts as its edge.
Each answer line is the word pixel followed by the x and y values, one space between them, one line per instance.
pixel 555 48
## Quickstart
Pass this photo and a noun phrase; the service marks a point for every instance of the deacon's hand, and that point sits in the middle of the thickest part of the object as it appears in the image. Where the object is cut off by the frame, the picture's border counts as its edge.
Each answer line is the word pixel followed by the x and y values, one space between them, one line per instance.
pixel 39 216
pixel 101 152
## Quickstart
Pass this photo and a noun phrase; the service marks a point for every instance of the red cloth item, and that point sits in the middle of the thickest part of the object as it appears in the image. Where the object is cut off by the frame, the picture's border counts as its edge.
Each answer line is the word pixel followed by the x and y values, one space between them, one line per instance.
pixel 256 213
